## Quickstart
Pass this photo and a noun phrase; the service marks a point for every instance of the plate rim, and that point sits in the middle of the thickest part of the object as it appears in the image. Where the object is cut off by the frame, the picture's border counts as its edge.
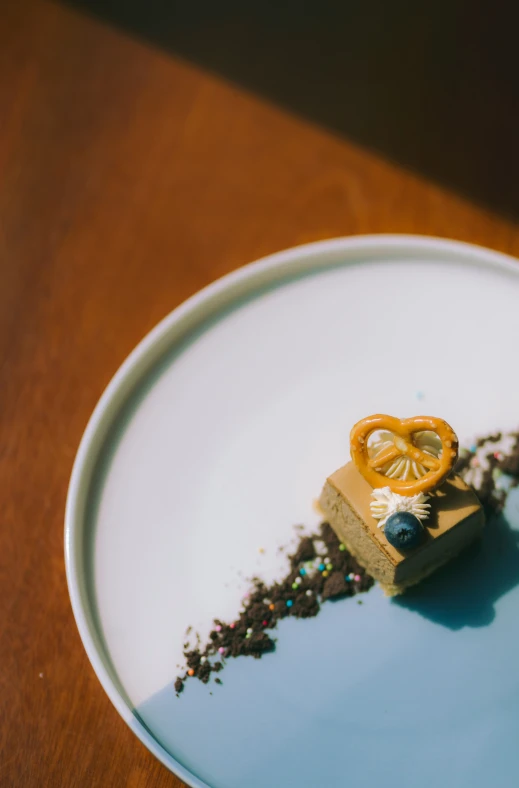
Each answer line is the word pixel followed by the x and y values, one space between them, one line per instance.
pixel 212 300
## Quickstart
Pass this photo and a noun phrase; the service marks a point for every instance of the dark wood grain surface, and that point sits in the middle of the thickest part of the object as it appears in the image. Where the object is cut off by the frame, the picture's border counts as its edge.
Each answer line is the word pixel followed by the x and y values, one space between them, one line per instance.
pixel 128 181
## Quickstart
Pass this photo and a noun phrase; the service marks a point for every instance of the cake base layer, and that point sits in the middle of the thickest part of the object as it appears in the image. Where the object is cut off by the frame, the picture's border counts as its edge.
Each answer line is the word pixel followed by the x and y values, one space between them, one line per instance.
pixel 455 521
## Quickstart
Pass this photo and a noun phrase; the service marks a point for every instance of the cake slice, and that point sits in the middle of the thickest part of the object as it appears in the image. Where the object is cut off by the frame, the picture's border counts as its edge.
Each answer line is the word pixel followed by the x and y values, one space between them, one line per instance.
pixel 395 531
pixel 456 519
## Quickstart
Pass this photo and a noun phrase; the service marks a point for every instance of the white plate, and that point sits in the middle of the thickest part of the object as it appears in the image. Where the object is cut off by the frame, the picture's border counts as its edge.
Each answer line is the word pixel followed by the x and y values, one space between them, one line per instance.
pixel 212 441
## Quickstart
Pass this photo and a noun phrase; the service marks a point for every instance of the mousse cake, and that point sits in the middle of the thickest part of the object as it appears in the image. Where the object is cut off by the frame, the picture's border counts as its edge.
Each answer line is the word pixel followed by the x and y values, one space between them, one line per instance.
pixel 398 507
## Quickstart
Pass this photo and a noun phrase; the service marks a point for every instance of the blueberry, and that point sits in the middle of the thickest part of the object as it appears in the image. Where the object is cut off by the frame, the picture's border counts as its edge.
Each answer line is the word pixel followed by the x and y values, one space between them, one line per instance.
pixel 403 530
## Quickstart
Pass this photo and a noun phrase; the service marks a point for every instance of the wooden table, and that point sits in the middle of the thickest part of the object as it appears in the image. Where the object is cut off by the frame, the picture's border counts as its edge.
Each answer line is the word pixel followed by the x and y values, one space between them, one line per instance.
pixel 129 180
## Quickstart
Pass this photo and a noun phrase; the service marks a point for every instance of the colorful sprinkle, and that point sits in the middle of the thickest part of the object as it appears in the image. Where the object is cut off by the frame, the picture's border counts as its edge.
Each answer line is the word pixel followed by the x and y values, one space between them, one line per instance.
pixel 322 567
pixel 342 547
pixel 203 660
pixel 329 567
pixel 357 578
pixel 498 455
pixel 271 606
pixel 294 586
pixel 218 628
pixel 250 631
pixel 309 592
pixel 473 448
pixel 222 650
pixel 289 603
pixel 261 549
pixel 247 636
pixel 350 576
pixel 265 623
pixel 298 580
pixel 302 572
pixel 190 672
pixel 266 601
pixel 232 626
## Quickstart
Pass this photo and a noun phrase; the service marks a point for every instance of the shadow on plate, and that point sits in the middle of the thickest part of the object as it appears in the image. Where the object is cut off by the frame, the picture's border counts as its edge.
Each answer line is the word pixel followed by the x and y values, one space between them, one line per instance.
pixel 464 593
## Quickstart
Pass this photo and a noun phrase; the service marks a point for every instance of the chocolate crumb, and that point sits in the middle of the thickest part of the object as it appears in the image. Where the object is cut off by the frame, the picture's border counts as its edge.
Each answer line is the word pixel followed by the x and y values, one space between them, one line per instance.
pixel 488 470
pixel 179 686
pixel 336 587
pixel 305 551
pixel 299 594
pixel 510 464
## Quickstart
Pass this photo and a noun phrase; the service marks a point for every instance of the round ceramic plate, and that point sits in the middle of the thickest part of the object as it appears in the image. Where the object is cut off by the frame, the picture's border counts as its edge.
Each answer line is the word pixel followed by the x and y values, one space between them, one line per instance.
pixel 211 443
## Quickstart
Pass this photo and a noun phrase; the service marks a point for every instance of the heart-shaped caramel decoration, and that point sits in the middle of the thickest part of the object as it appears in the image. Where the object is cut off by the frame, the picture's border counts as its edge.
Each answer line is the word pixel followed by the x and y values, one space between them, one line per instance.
pixel 410 455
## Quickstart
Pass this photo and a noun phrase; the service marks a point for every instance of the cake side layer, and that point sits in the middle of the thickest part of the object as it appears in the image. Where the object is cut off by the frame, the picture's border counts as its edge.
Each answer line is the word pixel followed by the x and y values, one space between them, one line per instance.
pixel 352 531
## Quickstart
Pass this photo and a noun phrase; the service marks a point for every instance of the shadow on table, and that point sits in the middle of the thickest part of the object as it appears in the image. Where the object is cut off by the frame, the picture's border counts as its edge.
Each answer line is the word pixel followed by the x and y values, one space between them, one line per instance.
pixel 464 592
pixel 432 86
